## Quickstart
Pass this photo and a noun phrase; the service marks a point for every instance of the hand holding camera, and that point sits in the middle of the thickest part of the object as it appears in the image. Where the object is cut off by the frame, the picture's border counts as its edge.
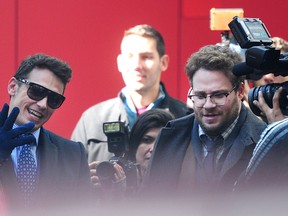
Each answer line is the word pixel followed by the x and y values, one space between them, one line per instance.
pixel 11 138
pixel 261 59
pixel 271 114
pixel 116 173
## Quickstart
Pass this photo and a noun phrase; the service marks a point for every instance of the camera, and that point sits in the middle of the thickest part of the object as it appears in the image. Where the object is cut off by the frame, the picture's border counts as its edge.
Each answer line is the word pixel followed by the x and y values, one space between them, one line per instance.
pixel 268 93
pixel 260 59
pixel 117 139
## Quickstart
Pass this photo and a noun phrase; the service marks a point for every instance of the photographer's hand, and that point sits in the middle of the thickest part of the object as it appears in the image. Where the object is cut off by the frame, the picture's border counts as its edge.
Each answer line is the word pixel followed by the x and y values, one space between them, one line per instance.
pixel 93 176
pixel 11 138
pixel 118 176
pixel 271 114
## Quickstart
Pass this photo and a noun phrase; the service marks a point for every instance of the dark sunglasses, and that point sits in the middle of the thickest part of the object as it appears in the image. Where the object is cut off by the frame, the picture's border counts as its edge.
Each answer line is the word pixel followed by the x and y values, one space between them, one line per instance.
pixel 37 92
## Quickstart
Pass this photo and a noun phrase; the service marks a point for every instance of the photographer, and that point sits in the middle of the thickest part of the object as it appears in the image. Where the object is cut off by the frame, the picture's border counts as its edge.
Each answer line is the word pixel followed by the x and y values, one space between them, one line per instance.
pixel 267 168
pixel 141 144
pixel 104 189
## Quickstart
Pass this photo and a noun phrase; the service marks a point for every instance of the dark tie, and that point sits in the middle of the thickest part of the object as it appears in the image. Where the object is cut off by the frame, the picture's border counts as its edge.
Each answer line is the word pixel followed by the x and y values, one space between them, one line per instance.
pixel 209 163
pixel 209 159
pixel 26 173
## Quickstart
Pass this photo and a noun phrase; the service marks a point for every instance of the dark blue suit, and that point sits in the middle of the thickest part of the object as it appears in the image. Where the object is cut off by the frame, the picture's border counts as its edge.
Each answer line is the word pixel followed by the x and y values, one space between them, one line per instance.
pixel 63 173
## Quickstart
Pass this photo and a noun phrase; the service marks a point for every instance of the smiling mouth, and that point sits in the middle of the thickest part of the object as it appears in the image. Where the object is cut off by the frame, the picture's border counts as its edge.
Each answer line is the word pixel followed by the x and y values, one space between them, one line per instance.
pixel 35 113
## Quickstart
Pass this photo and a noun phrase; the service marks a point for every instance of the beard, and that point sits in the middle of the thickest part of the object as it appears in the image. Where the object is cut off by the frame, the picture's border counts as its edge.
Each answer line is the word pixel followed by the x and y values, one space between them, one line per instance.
pixel 225 117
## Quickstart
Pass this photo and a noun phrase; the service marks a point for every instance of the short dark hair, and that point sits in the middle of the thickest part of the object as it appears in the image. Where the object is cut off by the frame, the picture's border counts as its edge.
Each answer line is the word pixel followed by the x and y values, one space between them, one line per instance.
pixel 214 57
pixel 154 118
pixel 60 68
pixel 145 30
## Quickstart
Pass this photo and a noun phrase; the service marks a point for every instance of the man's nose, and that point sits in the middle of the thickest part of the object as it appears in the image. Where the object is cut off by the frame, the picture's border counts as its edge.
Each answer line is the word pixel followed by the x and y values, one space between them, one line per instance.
pixel 43 102
pixel 136 62
pixel 209 103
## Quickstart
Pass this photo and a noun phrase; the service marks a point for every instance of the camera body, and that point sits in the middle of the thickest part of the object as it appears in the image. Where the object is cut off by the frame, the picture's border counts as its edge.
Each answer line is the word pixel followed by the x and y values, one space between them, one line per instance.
pixel 117 139
pixel 260 59
pixel 250 32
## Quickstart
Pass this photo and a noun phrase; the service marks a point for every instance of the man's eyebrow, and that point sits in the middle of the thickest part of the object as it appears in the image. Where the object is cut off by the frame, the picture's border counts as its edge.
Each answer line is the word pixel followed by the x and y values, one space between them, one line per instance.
pixel 213 92
pixel 146 53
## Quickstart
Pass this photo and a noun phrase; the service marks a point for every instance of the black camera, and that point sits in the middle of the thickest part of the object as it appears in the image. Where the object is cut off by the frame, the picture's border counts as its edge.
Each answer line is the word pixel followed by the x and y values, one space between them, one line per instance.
pixel 260 59
pixel 117 139
pixel 250 32
pixel 268 93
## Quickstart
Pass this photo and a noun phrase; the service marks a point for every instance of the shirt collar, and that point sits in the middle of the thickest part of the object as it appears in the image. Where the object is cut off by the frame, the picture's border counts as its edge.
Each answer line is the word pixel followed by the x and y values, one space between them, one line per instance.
pixel 129 102
pixel 36 133
pixel 130 108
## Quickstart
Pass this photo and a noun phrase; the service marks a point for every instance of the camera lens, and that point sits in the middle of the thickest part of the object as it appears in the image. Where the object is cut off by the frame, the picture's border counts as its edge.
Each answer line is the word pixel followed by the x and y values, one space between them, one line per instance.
pixel 268 93
pixel 105 171
pixel 284 98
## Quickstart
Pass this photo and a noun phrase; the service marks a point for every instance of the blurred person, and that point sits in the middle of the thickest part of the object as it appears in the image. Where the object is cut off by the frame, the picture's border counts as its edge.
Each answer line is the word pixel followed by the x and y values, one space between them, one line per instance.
pixel 207 150
pixel 141 63
pixel 51 172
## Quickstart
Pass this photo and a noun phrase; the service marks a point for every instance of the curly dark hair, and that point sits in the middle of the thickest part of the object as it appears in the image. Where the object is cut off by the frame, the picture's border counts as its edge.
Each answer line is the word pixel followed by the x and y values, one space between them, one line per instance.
pixel 214 57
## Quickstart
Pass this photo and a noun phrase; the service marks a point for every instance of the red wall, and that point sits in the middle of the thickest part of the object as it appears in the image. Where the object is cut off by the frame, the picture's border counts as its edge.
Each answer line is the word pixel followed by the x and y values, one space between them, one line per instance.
pixel 87 35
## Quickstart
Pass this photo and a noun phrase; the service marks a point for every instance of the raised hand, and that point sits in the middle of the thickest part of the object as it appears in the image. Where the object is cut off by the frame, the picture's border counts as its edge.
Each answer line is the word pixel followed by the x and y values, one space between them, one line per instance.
pixel 11 138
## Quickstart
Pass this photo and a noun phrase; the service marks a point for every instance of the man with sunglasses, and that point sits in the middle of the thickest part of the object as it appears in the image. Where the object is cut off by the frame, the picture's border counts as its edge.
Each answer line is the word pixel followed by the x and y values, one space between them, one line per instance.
pixel 59 172
pixel 207 150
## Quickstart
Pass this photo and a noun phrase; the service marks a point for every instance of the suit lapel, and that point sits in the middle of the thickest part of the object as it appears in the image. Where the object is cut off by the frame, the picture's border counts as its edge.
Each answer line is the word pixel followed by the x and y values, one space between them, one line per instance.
pixel 48 158
pixel 240 141
pixel 234 155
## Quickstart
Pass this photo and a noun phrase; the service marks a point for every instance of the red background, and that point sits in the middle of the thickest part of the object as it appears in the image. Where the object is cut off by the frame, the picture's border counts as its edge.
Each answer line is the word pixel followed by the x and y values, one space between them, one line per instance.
pixel 87 34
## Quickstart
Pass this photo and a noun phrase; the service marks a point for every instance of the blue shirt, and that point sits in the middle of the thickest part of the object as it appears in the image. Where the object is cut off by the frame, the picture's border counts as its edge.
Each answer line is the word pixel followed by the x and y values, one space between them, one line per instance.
pixel 16 151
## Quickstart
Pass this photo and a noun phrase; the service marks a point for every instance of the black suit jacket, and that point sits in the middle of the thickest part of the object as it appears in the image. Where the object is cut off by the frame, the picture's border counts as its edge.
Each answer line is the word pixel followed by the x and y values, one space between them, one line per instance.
pixel 63 173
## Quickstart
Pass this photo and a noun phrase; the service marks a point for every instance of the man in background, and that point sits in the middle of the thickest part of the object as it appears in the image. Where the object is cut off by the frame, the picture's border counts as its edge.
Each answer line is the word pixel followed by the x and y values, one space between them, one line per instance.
pixel 141 63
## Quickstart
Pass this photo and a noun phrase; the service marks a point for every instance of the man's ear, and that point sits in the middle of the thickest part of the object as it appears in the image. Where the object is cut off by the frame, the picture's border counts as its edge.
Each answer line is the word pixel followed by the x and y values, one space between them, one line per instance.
pixel 241 91
pixel 12 86
pixel 164 62
pixel 120 63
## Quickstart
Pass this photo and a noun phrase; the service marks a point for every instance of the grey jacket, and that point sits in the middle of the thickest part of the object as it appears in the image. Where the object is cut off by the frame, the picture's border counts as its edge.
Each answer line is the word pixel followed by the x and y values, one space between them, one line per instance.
pixel 63 174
